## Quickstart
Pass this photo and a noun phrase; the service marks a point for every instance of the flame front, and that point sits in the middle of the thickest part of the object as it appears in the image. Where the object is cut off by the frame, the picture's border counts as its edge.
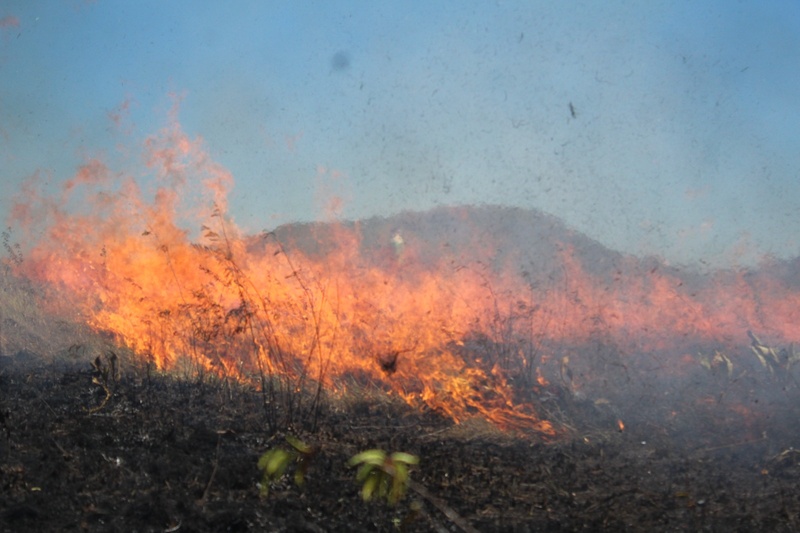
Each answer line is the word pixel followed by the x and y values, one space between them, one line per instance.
pixel 465 338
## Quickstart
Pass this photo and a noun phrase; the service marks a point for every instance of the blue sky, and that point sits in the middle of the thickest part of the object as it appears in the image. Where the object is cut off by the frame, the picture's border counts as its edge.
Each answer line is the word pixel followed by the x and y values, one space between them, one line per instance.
pixel 684 141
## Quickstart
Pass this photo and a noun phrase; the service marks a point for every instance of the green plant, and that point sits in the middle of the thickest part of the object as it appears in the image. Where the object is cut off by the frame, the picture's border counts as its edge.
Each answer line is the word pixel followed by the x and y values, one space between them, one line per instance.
pixel 274 463
pixel 382 474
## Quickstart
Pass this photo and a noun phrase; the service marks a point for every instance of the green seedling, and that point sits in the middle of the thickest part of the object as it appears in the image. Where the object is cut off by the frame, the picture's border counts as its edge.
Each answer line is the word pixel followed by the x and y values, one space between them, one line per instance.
pixel 382 474
pixel 274 463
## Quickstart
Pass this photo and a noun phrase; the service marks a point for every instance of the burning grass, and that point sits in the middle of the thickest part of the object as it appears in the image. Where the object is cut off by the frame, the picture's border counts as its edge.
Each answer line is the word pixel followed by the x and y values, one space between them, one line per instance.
pixel 465 311
pixel 290 323
pixel 463 339
pixel 119 446
pixel 465 335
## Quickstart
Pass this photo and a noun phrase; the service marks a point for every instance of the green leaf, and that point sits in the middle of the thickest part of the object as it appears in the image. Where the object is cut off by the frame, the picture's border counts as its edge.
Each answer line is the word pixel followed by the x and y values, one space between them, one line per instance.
pixel 374 457
pixel 299 477
pixel 407 458
pixel 399 483
pixel 363 471
pixel 382 474
pixel 396 494
pixel 278 461
pixel 299 445
pixel 264 459
pixel 369 486
pixel 400 473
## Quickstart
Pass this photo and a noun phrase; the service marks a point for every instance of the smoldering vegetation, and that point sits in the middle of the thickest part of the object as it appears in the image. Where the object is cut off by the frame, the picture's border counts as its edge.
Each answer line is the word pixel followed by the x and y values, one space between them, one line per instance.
pixel 683 424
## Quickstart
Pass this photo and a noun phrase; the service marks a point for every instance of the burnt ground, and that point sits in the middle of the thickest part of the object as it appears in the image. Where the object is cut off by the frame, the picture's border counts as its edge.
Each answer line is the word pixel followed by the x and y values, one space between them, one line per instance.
pixel 165 454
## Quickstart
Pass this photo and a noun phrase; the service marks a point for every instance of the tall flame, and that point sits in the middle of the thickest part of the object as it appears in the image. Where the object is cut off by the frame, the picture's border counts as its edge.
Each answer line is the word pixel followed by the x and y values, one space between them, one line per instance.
pixel 445 331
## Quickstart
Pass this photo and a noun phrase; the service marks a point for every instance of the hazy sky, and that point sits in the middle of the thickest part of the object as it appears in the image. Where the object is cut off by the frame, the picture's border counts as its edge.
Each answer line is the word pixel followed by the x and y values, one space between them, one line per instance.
pixel 669 128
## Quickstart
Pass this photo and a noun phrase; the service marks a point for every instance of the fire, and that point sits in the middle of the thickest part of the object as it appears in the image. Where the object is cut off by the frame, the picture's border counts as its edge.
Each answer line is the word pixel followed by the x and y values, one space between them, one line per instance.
pixel 463 337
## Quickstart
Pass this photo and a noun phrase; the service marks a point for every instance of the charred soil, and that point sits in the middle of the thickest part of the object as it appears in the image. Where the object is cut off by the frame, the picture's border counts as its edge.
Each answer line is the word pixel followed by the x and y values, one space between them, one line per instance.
pixel 164 454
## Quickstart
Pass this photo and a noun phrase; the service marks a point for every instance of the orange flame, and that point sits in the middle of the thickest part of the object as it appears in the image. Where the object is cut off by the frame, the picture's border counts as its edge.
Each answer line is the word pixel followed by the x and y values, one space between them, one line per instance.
pixel 444 332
